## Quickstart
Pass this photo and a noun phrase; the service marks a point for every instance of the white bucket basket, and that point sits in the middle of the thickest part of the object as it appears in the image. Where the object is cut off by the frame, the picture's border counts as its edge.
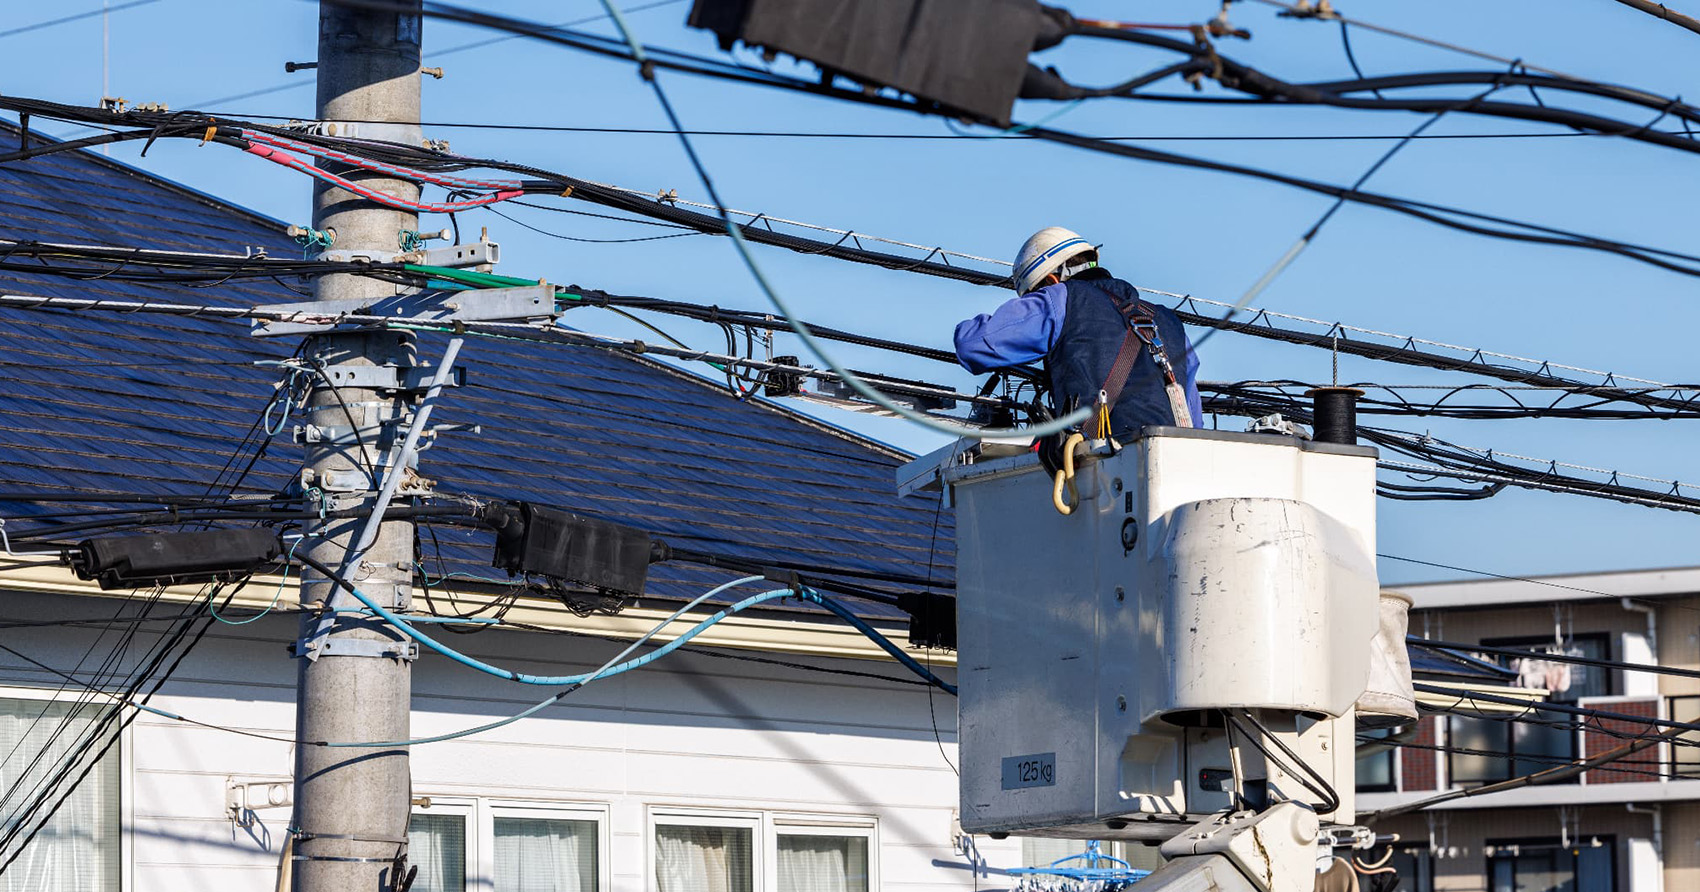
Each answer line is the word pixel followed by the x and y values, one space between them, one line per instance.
pixel 1389 700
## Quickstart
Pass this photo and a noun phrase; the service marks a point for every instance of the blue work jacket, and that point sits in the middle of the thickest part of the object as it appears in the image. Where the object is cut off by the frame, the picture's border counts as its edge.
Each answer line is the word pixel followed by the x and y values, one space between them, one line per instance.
pixel 1075 328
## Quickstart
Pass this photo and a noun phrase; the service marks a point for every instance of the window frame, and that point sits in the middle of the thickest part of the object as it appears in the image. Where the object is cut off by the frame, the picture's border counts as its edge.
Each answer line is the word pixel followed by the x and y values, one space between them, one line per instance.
pixel 796 824
pixel 1395 764
pixel 1607 642
pixel 758 823
pixel 480 814
pixel 1491 852
pixel 548 811
pixel 1675 765
pixel 126 770
pixel 466 809
pixel 766 827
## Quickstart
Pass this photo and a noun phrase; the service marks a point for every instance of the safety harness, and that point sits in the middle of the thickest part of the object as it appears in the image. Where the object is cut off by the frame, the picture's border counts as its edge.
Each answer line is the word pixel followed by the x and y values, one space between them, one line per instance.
pixel 1141 334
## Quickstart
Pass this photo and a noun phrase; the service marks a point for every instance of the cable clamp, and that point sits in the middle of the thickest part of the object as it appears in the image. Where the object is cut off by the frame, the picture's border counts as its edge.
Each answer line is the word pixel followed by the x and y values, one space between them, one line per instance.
pixel 212 130
pixel 787 578
pixel 304 835
pixel 568 193
pixel 359 647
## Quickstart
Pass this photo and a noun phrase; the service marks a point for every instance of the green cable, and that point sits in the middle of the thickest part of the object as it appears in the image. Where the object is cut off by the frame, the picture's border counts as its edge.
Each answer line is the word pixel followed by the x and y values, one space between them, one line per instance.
pixel 461 280
pixel 469 277
pixel 276 596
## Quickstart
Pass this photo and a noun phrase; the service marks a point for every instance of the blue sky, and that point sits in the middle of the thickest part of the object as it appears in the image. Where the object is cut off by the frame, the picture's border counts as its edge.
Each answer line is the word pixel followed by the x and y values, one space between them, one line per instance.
pixel 1186 231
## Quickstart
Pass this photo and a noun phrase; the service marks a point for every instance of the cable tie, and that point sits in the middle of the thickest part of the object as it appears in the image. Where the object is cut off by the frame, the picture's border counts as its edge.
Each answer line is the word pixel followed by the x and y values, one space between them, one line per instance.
pixel 212 130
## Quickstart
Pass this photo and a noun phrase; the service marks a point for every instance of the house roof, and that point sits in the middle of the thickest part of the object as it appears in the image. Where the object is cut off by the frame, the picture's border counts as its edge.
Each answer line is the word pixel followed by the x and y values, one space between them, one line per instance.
pixel 1429 663
pixel 1508 591
pixel 102 402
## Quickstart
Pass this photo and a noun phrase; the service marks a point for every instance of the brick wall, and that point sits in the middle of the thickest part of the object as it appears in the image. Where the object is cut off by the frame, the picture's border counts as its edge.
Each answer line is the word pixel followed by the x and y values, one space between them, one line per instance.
pixel 1418 767
pixel 1595 742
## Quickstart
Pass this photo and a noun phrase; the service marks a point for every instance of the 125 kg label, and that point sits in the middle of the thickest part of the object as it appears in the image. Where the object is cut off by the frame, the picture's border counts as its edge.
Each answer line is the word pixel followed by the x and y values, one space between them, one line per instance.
pixel 1038 770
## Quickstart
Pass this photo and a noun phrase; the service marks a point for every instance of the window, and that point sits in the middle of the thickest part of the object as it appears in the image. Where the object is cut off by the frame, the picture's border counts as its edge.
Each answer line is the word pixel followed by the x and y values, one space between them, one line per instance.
pixel 78 848
pixel 713 851
pixel 701 857
pixel 436 844
pixel 1543 865
pixel 545 855
pixel 1375 762
pixel 814 858
pixel 1514 749
pixel 462 845
pixel 1685 756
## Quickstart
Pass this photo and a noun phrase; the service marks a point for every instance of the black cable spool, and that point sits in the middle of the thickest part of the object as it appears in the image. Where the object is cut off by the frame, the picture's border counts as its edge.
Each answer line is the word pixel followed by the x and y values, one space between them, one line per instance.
pixel 1335 417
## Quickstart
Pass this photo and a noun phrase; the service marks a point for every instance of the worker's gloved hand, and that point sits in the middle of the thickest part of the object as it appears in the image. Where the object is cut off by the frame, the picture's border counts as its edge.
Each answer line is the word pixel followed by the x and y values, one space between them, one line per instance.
pixel 1050 451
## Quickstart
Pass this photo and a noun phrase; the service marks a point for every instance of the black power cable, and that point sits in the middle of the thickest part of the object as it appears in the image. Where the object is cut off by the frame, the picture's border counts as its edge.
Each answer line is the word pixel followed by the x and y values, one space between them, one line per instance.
pixel 1552 657
pixel 846 249
pixel 1463 696
pixel 1247 396
pixel 1315 783
pixel 1452 217
pixel 38 805
pixel 1481 224
pixel 1259 85
pixel 1531 758
pixel 1263 397
pixel 98 262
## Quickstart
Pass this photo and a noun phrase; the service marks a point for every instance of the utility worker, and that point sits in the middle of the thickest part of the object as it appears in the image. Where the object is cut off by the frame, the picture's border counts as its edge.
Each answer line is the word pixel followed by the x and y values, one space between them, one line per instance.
pixel 1103 346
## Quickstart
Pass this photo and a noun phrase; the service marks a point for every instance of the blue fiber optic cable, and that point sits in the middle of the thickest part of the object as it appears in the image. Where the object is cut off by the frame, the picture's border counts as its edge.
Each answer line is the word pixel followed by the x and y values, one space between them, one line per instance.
pixel 807 594
pixel 613 666
pixel 402 626
pixel 608 669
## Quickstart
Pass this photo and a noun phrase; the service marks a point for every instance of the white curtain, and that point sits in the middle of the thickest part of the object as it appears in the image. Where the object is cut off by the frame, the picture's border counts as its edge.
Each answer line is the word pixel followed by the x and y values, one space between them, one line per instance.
pixel 544 855
pixel 823 864
pixel 437 845
pixel 1041 851
pixel 703 859
pixel 78 850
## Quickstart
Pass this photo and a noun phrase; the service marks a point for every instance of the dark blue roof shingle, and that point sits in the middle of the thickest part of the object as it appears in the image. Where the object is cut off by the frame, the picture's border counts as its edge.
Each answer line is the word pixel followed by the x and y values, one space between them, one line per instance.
pixel 102 402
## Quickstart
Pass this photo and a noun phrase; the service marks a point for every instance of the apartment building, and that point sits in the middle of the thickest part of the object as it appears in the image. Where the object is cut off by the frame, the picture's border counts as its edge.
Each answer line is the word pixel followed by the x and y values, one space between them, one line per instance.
pixel 1631 827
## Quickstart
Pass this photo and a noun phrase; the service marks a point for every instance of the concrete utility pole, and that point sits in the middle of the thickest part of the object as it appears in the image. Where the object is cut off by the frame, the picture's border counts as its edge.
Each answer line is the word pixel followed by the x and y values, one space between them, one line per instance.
pixel 351 804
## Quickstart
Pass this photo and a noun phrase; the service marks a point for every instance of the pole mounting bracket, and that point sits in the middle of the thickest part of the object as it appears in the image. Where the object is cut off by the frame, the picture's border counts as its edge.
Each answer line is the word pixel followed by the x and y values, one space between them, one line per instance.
pixel 359 647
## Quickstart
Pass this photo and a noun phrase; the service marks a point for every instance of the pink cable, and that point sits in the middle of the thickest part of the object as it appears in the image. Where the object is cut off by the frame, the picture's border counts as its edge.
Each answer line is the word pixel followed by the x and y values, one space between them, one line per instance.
pixel 445 180
pixel 290 161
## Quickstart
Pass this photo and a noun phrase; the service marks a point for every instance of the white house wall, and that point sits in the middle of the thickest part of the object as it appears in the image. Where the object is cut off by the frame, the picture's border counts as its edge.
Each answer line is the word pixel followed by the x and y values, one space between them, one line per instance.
pixel 690 732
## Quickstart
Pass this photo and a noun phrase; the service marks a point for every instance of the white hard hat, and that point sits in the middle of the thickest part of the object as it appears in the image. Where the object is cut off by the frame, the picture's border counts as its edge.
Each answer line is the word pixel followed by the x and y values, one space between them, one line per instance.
pixel 1043 253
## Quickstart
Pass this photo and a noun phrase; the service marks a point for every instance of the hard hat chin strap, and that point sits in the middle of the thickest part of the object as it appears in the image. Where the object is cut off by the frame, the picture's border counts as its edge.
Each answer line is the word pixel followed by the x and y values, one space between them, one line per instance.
pixel 1067 271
